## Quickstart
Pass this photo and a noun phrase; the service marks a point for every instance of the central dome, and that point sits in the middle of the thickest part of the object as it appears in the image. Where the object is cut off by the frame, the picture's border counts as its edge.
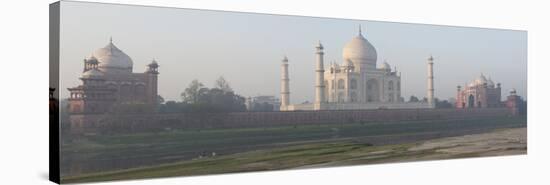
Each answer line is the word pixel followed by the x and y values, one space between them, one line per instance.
pixel 361 52
pixel 112 59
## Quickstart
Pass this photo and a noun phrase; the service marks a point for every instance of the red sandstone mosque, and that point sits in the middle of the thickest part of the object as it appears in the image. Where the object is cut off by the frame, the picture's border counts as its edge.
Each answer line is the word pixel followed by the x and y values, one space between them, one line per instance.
pixel 480 93
pixel 108 79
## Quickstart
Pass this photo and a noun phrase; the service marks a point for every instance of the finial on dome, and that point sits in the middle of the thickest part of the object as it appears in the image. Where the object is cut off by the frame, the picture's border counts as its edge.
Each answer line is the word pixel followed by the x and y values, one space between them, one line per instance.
pixel 111 39
pixel 285 59
pixel 360 30
pixel 431 58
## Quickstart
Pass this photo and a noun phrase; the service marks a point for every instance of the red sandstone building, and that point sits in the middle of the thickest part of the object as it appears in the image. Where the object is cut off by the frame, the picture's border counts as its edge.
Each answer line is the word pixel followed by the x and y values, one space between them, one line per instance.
pixel 107 80
pixel 480 93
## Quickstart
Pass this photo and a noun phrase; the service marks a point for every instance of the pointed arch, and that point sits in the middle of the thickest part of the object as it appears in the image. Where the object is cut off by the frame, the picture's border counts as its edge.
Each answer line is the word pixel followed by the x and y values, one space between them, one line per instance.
pixel 373 90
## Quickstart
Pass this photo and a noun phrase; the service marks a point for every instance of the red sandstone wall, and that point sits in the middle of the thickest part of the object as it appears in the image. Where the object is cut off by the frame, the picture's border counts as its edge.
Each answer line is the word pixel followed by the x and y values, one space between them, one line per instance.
pixel 160 122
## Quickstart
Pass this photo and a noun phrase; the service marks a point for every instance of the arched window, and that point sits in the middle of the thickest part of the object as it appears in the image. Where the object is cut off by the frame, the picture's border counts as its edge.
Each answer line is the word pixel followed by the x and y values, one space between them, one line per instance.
pixel 390 85
pixel 372 93
pixel 353 84
pixel 139 90
pixel 125 92
pixel 353 97
pixel 341 84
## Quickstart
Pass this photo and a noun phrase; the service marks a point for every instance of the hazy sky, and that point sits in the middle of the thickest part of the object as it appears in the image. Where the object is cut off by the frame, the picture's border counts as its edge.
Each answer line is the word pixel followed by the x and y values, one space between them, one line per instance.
pixel 247 49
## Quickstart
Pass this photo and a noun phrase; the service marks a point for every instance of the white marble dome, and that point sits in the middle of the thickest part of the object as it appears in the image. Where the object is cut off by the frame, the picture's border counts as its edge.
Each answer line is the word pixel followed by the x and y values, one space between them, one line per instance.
pixel 360 51
pixel 112 59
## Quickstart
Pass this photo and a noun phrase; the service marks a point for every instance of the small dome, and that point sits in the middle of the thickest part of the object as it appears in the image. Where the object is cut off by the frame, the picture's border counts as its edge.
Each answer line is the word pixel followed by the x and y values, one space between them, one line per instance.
pixel 490 83
pixel 359 50
pixel 513 91
pixel 112 58
pixel 91 57
pixel 154 63
pixel 386 66
pixel 92 74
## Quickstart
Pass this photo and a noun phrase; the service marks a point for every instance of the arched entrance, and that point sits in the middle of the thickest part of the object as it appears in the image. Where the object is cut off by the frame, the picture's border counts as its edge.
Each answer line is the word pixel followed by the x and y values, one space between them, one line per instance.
pixel 373 91
pixel 471 102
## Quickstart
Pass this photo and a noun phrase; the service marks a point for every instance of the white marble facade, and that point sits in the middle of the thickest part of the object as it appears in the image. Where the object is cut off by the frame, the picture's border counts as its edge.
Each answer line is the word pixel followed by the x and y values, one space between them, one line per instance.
pixel 356 83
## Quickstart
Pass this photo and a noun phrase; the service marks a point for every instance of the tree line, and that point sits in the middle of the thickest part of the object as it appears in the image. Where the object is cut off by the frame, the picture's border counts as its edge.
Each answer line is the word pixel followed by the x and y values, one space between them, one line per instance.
pixel 199 98
pixel 438 103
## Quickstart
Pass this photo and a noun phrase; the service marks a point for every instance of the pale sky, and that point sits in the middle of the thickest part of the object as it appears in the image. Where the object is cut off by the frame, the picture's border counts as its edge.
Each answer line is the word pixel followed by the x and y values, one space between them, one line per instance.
pixel 247 49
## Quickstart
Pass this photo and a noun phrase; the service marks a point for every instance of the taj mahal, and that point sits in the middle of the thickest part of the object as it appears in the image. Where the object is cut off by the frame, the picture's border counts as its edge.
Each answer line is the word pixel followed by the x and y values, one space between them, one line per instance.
pixel 355 84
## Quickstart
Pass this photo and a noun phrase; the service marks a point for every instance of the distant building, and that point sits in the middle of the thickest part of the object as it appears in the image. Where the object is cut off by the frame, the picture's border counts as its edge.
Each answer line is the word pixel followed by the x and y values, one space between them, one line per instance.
pixel 479 93
pixel 263 103
pixel 108 79
pixel 515 104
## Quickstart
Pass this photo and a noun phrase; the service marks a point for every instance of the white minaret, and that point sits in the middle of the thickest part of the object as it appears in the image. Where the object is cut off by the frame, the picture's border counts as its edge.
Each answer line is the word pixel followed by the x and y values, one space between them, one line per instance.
pixel 319 76
pixel 285 90
pixel 431 101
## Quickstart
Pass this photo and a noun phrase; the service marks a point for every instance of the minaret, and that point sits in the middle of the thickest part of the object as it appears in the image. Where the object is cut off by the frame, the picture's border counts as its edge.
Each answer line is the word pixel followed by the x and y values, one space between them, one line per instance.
pixel 431 101
pixel 319 76
pixel 285 90
pixel 152 83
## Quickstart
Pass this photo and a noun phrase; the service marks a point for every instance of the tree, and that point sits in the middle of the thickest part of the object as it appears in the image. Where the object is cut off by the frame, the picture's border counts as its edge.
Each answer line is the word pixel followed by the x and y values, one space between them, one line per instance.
pixel 193 92
pixel 222 84
pixel 413 99
pixel 197 98
pixel 160 99
pixel 445 104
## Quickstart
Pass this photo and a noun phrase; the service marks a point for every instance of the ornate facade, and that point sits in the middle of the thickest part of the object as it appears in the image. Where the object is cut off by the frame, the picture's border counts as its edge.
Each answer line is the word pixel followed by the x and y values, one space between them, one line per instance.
pixel 107 80
pixel 479 93
pixel 357 83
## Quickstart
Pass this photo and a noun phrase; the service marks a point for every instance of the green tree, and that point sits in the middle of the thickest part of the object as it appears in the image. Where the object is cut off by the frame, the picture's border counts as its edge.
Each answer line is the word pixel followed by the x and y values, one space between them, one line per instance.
pixel 193 92
pixel 222 84
pixel 413 99
pixel 445 104
pixel 160 99
pixel 197 98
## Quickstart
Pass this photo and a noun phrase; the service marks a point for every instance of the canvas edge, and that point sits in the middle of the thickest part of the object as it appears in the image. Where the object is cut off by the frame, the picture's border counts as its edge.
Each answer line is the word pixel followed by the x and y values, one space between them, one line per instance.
pixel 54 36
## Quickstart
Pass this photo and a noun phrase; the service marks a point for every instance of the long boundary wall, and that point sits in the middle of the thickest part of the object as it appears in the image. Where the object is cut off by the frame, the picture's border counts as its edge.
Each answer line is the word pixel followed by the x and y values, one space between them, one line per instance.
pixel 159 122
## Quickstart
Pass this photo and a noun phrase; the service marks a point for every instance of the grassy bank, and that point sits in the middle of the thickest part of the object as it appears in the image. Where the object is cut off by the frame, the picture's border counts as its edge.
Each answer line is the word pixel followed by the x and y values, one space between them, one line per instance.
pixel 322 154
pixel 177 152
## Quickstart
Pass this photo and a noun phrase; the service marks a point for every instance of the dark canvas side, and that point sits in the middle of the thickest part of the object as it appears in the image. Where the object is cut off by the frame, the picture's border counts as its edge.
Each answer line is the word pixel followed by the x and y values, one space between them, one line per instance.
pixel 54 172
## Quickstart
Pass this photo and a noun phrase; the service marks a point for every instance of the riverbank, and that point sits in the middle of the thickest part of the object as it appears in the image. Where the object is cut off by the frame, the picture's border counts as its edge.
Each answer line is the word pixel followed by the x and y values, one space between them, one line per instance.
pixel 338 152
